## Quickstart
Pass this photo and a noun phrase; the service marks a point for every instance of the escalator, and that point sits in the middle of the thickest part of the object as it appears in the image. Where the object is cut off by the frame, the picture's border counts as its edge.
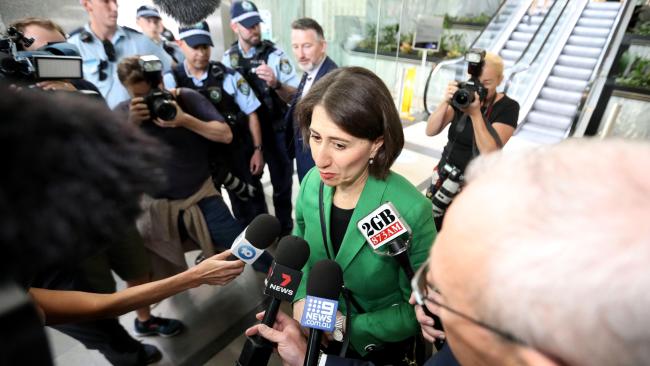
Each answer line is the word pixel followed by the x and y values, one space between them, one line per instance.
pixel 522 36
pixel 558 100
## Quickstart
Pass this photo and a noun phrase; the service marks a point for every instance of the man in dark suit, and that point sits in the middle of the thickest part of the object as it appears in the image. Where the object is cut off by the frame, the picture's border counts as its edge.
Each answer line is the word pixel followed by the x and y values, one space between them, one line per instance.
pixel 309 48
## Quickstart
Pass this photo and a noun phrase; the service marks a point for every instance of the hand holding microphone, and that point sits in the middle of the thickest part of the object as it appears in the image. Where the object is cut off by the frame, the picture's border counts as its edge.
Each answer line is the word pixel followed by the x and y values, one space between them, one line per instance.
pixel 217 270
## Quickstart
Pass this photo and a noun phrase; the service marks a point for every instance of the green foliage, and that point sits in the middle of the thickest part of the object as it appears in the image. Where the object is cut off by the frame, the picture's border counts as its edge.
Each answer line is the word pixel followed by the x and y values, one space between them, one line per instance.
pixel 451 45
pixel 481 19
pixel 638 76
pixel 642 29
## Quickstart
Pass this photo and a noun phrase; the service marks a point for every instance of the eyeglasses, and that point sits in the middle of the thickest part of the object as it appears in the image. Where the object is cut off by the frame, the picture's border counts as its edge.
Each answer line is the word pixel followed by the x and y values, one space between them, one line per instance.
pixel 109 50
pixel 421 289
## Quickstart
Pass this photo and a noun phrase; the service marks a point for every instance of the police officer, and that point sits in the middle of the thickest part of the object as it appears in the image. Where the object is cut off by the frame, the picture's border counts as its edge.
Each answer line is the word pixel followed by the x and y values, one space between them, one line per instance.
pixel 102 44
pixel 273 79
pixel 233 97
pixel 149 20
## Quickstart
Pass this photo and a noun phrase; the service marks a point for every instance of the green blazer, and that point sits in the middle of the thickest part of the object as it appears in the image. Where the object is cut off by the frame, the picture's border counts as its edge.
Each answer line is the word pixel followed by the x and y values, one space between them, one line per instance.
pixel 377 282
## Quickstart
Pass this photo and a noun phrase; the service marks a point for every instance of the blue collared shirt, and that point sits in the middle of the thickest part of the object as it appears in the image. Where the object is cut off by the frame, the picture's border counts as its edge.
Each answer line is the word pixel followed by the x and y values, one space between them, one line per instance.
pixel 126 43
pixel 278 61
pixel 234 84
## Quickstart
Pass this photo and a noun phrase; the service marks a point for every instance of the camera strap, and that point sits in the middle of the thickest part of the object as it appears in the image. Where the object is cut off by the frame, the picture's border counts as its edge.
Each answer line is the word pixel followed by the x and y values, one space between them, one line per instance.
pixel 490 128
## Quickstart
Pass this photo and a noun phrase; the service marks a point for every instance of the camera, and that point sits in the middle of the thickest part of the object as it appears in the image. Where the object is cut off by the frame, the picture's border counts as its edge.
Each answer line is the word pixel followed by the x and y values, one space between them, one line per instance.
pixel 159 101
pixel 464 96
pixel 452 178
pixel 54 61
pixel 240 188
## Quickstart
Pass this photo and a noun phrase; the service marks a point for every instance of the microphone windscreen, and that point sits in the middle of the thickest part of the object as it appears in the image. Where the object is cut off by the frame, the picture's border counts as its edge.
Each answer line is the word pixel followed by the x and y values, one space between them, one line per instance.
pixel 292 252
pixel 325 280
pixel 263 230
pixel 188 12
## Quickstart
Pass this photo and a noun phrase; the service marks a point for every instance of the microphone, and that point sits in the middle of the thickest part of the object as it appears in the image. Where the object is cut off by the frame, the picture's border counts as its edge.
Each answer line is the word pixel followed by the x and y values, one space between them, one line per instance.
pixel 188 12
pixel 388 234
pixel 263 230
pixel 319 314
pixel 281 285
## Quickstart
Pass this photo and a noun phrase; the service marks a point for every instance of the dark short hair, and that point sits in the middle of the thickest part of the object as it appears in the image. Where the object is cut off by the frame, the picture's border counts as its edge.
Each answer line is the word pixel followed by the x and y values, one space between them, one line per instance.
pixel 129 70
pixel 309 23
pixel 74 179
pixel 360 104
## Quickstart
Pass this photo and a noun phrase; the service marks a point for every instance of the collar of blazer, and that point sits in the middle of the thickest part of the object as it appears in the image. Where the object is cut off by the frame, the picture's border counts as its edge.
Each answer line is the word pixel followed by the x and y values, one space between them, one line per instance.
pixel 353 241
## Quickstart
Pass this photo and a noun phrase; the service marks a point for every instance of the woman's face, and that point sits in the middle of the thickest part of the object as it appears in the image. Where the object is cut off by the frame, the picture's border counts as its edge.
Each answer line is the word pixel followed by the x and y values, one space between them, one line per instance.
pixel 341 158
pixel 490 80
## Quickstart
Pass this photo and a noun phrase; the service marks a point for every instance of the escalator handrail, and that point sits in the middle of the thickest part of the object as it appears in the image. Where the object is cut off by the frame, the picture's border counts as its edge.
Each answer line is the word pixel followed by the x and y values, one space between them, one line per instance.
pixel 517 70
pixel 598 68
pixel 457 59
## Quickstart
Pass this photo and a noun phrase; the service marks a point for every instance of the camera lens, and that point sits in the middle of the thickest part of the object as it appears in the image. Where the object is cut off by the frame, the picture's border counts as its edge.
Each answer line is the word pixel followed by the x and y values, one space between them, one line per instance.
pixel 462 98
pixel 164 109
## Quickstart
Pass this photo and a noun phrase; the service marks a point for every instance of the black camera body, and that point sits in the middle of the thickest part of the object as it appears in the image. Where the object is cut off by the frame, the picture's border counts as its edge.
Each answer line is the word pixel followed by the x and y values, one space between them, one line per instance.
pixel 159 101
pixel 59 61
pixel 464 96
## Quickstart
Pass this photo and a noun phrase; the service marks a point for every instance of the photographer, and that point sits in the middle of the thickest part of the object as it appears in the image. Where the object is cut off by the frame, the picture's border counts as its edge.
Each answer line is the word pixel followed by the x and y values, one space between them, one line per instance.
pixel 41 34
pixel 478 126
pixel 188 206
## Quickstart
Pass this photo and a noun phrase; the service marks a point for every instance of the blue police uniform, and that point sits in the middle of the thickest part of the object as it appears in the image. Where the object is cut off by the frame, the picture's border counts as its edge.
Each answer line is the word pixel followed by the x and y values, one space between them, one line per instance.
pixel 101 71
pixel 273 125
pixel 233 84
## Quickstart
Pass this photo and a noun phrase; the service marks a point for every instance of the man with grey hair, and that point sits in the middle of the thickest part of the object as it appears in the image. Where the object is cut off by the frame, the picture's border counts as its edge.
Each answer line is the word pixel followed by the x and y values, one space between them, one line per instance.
pixel 543 260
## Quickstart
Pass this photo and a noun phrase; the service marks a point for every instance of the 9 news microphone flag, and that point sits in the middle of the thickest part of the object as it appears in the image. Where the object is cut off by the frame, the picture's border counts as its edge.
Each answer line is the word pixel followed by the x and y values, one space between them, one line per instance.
pixel 319 314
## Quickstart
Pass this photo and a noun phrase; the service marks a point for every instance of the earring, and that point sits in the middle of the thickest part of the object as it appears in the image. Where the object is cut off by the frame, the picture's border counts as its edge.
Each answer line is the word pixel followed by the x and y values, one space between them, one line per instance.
pixel 372 160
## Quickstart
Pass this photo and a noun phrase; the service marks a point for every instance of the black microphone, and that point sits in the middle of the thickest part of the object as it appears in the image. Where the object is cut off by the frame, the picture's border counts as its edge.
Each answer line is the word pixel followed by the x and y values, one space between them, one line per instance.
pixel 263 231
pixel 281 285
pixel 188 12
pixel 319 314
pixel 387 233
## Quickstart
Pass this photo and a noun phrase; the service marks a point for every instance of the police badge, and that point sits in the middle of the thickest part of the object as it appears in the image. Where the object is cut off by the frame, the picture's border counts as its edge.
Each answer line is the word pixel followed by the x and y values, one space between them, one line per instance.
pixel 234 60
pixel 243 87
pixel 215 94
pixel 285 66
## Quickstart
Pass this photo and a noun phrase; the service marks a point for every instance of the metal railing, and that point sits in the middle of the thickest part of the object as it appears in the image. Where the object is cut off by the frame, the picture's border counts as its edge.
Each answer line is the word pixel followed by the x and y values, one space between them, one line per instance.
pixel 598 77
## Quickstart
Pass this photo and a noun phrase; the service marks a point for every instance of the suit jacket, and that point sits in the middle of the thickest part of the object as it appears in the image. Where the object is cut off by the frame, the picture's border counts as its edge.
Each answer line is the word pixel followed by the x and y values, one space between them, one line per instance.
pixel 377 282
pixel 304 161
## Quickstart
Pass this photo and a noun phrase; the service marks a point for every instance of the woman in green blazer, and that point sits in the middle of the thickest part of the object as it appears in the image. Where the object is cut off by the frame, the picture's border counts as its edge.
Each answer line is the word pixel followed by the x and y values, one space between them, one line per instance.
pixel 355 135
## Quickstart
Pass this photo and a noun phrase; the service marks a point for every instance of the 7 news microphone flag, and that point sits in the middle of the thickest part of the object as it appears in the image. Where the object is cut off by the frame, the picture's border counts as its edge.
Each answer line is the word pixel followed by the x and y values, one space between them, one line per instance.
pixel 281 285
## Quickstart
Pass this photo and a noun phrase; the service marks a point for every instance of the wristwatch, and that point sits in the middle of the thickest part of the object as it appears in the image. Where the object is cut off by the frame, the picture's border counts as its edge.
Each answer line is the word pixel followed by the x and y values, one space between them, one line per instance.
pixel 258 147
pixel 339 329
